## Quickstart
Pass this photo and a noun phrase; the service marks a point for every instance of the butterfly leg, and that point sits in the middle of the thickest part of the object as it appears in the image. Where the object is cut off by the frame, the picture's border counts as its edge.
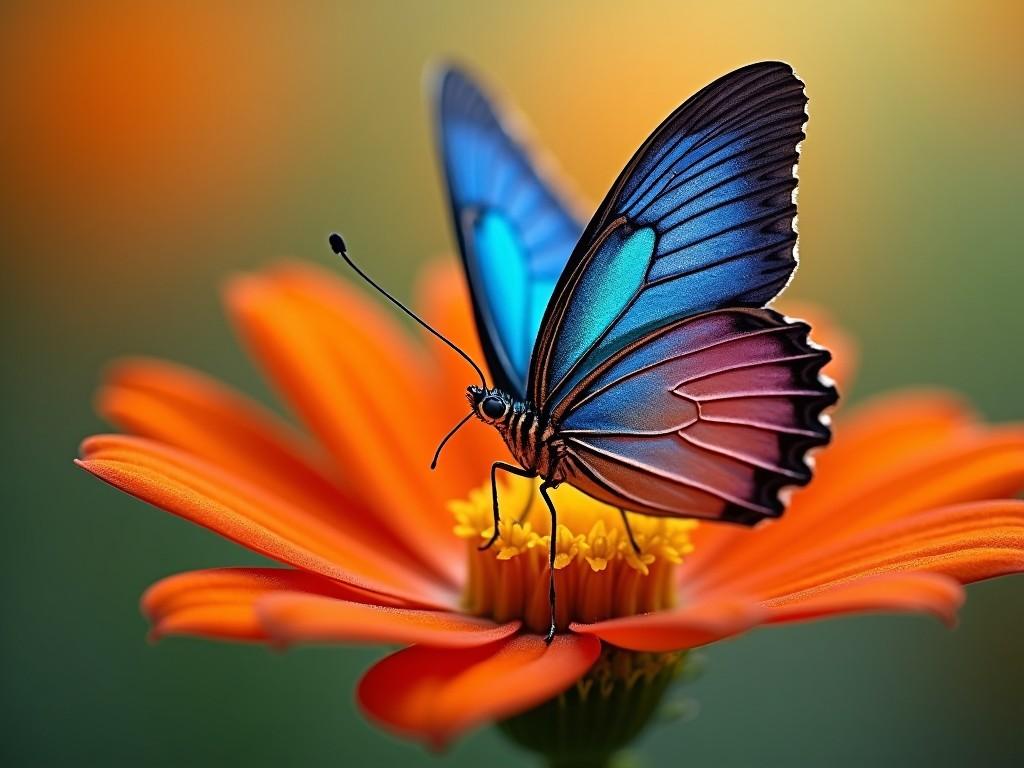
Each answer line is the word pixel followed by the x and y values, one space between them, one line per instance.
pixel 552 550
pixel 629 531
pixel 512 470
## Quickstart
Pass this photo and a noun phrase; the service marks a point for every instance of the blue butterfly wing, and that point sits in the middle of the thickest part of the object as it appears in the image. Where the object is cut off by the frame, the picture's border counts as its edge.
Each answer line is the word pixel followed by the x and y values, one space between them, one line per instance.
pixel 709 416
pixel 700 219
pixel 514 233
pixel 674 392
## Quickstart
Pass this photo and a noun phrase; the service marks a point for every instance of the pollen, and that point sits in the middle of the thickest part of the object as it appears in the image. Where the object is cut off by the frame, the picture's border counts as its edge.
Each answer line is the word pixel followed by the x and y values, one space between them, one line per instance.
pixel 598 573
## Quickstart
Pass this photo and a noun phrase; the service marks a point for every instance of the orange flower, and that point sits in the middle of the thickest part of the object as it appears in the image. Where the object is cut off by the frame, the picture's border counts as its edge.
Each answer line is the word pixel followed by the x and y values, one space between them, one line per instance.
pixel 912 500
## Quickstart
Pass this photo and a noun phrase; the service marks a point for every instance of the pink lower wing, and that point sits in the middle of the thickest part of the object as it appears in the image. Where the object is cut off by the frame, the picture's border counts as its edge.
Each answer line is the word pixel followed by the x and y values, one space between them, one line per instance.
pixel 709 417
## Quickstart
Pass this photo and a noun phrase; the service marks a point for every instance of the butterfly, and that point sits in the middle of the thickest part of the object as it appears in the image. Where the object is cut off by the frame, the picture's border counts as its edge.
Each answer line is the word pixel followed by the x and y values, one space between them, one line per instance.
pixel 634 358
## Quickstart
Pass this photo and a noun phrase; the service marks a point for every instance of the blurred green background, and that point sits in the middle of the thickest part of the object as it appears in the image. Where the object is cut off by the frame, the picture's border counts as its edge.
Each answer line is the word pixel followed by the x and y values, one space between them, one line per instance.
pixel 152 149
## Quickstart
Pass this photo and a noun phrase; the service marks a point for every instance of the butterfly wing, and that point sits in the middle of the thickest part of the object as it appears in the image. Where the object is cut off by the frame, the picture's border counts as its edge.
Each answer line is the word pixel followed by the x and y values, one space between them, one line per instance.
pixel 514 233
pixel 700 219
pixel 676 394
pixel 709 416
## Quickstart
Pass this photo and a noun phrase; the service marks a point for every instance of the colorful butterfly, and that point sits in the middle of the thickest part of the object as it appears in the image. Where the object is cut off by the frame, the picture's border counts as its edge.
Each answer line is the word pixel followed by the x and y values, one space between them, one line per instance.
pixel 634 358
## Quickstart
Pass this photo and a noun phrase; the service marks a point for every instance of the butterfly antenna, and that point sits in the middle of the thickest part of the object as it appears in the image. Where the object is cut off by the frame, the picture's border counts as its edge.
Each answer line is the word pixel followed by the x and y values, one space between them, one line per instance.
pixel 338 246
pixel 446 438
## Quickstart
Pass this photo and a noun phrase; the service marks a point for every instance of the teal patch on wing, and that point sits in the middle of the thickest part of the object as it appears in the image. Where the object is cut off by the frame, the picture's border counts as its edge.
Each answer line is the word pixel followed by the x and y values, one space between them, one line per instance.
pixel 611 278
pixel 505 277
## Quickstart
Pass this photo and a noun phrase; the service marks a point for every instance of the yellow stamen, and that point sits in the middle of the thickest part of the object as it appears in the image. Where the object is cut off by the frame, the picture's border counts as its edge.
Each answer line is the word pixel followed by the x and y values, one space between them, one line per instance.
pixel 597 572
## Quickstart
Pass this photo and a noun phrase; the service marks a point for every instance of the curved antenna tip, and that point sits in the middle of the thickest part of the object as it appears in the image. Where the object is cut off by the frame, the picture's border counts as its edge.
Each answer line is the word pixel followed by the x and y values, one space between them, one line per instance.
pixel 337 243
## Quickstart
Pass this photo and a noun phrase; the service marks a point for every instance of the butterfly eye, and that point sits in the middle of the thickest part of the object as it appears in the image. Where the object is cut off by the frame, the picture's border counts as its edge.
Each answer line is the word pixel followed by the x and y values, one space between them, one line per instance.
pixel 493 407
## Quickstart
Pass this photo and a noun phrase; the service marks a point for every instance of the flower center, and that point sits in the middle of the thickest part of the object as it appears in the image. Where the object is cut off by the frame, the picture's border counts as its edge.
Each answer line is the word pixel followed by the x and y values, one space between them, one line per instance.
pixel 598 574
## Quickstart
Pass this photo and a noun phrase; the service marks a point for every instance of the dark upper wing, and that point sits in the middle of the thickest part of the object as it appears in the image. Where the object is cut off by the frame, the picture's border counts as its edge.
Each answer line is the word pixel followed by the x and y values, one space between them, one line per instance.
pixel 709 416
pixel 700 219
pixel 515 235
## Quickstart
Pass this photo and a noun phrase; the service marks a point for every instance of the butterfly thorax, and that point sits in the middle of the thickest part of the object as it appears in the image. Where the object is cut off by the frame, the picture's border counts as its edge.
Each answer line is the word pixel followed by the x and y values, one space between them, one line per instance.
pixel 529 435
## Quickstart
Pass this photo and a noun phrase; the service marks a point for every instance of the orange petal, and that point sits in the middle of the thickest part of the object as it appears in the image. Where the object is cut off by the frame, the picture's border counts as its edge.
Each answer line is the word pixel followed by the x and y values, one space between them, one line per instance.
pixel 967 542
pixel 190 411
pixel 310 618
pixel 243 512
pixel 931 593
pixel 363 390
pixel 434 695
pixel 220 603
pixel 403 368
pixel 408 379
pixel 887 429
pixel 685 627
pixel 970 465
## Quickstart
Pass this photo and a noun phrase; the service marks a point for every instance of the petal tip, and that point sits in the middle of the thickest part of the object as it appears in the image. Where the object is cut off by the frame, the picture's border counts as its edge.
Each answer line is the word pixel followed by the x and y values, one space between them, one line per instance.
pixel 240 290
pixel 86 464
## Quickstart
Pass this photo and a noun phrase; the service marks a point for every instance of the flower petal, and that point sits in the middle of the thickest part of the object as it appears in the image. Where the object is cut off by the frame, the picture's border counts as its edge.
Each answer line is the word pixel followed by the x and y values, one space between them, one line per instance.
pixel 971 465
pixel 310 618
pixel 966 542
pixel 181 407
pixel 198 491
pixel 362 389
pixel 190 411
pixel 685 627
pixel 434 694
pixel 884 431
pixel 931 593
pixel 220 603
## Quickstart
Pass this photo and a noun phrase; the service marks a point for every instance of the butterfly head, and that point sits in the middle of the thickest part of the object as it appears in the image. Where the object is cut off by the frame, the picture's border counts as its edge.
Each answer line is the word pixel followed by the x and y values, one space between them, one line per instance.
pixel 491 406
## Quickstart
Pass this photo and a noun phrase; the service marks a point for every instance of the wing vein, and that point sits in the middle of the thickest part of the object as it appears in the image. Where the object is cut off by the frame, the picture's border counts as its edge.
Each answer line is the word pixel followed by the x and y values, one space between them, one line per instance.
pixel 651 366
pixel 740 457
pixel 670 476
